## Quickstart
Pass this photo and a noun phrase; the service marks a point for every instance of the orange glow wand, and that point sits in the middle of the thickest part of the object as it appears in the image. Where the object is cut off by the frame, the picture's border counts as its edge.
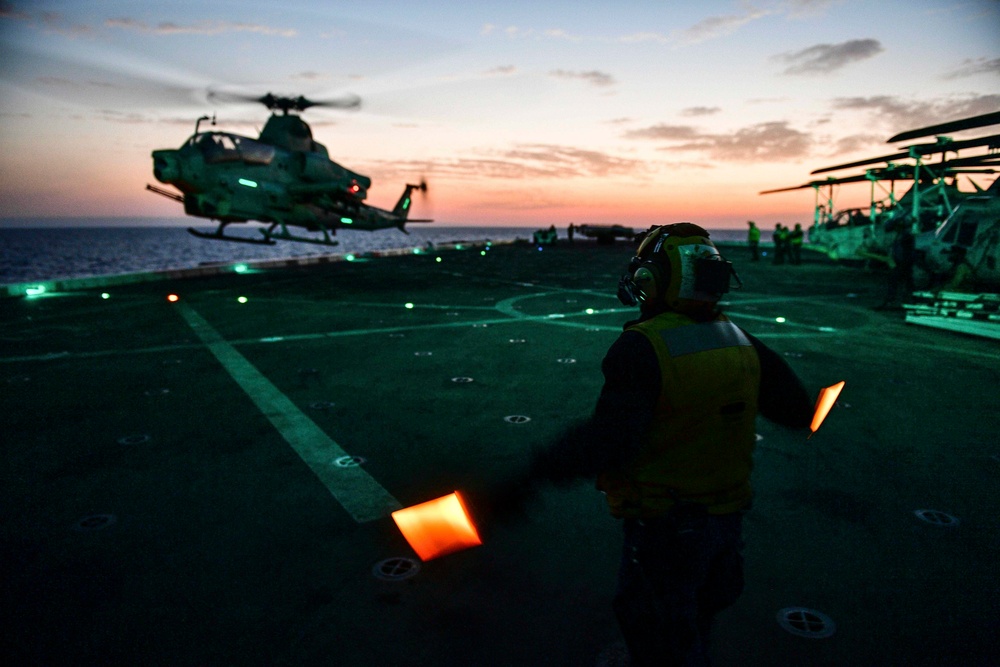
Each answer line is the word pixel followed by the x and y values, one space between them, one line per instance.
pixel 437 527
pixel 827 397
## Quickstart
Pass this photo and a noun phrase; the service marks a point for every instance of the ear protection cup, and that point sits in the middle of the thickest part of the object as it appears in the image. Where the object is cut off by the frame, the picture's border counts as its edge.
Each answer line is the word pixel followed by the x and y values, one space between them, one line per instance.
pixel 649 279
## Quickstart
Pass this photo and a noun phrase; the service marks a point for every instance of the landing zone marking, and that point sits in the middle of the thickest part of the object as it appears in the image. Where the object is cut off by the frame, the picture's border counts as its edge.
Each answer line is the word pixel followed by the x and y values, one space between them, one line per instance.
pixel 356 490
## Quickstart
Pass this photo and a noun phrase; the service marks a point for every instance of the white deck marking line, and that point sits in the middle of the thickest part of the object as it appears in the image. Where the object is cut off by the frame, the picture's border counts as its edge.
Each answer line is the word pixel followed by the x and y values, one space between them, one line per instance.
pixel 356 490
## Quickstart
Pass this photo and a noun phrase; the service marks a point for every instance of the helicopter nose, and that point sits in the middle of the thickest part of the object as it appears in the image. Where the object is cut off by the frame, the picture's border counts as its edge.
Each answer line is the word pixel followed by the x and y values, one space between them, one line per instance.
pixel 164 168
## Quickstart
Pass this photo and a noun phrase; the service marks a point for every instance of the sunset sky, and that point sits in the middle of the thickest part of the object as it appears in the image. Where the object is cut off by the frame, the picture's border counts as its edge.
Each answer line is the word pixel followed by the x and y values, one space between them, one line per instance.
pixel 515 112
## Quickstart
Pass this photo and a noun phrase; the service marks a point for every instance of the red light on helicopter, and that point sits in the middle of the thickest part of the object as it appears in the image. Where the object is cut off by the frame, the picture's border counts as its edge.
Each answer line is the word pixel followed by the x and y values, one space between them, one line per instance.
pixel 172 298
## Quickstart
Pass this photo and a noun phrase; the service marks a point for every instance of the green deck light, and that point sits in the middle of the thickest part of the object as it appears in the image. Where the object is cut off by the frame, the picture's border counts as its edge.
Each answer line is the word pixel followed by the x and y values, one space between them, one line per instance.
pixel 417 251
pixel 482 253
pixel 105 295
pixel 350 258
pixel 590 311
pixel 779 320
pixel 458 246
pixel 409 306
pixel 242 299
pixel 34 290
pixel 248 183
pixel 240 268
pixel 437 259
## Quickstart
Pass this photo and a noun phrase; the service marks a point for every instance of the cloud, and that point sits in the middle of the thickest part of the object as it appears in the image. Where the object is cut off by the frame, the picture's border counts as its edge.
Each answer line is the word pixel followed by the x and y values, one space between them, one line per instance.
pixel 9 11
pixel 593 77
pixel 897 114
pixel 970 67
pixel 763 142
pixel 700 111
pixel 309 76
pixel 639 37
pixel 503 70
pixel 717 26
pixel 809 8
pixel 668 132
pixel 827 58
pixel 199 28
pixel 856 142
pixel 529 161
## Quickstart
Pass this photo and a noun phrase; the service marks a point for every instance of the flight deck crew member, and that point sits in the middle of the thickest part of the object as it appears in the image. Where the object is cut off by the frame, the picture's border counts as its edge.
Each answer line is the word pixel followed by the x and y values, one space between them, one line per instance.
pixel 795 238
pixel 753 240
pixel 670 443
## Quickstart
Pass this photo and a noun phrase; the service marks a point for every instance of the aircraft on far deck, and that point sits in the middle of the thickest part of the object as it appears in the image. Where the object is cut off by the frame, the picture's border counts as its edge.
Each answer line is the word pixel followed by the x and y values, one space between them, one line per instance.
pixel 953 227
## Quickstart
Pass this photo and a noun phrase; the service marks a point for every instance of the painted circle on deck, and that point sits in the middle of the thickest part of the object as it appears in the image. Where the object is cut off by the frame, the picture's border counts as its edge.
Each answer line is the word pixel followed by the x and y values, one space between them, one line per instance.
pixel 566 360
pixel 322 405
pixel 806 622
pixel 936 518
pixel 516 340
pixel 397 335
pixel 461 380
pixel 95 522
pixel 422 354
pixel 157 392
pixel 137 439
pixel 517 419
pixel 395 569
pixel 349 461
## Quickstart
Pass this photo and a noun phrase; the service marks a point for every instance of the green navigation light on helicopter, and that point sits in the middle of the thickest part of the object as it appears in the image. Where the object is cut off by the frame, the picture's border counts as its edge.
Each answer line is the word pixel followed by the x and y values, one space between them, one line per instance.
pixel 347 221
pixel 248 183
pixel 406 203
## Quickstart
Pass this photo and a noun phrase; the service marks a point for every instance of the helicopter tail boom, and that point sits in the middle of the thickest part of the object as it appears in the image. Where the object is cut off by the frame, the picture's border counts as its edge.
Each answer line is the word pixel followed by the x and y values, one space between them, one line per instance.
pixel 402 208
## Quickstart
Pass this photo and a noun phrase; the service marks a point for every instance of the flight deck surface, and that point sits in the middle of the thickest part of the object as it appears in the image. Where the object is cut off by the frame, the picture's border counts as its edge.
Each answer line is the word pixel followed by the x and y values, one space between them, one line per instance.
pixel 208 481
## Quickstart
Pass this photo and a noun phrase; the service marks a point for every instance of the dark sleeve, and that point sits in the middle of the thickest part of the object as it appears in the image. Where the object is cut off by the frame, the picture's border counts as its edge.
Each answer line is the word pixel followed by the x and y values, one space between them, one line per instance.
pixel 613 434
pixel 783 398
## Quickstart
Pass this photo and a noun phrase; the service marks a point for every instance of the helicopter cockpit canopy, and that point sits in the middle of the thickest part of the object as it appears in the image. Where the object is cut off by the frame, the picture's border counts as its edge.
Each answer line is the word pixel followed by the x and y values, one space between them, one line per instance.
pixel 218 147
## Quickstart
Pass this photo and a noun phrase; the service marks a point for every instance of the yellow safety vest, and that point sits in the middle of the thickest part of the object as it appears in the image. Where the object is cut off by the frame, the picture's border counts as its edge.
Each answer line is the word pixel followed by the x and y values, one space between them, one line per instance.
pixel 753 234
pixel 699 447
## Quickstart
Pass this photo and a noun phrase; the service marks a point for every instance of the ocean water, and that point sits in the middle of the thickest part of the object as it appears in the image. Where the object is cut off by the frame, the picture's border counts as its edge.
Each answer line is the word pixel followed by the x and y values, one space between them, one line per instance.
pixel 49 253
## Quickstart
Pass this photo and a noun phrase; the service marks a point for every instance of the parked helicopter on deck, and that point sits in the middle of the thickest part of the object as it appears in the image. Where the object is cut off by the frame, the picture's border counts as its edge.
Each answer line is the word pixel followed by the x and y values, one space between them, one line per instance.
pixel 952 227
pixel 284 178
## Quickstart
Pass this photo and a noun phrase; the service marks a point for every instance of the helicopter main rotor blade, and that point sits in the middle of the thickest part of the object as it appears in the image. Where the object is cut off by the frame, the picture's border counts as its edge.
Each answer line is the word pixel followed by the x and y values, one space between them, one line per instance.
pixel 952 126
pixel 862 163
pixel 286 104
pixel 991 142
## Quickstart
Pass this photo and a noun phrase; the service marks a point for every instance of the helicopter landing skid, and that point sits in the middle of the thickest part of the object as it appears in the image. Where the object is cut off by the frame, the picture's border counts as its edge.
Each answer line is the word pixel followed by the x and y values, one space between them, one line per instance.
pixel 301 239
pixel 223 237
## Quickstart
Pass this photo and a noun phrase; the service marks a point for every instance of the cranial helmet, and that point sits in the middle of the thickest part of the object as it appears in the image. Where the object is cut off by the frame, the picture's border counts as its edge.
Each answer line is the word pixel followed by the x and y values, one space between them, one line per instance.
pixel 678 266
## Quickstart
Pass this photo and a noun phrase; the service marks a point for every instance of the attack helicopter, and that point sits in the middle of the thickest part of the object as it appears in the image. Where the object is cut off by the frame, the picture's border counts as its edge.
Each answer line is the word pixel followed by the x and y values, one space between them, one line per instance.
pixel 933 198
pixel 283 178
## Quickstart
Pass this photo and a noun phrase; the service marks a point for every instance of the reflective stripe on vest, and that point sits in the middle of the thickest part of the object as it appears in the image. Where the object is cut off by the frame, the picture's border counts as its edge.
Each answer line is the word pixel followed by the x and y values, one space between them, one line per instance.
pixel 703 337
